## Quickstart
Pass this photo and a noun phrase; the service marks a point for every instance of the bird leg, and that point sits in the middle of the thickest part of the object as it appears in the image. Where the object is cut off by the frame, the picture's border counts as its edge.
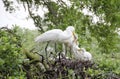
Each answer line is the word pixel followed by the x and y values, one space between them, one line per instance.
pixel 71 52
pixel 46 50
pixel 64 49
pixel 56 47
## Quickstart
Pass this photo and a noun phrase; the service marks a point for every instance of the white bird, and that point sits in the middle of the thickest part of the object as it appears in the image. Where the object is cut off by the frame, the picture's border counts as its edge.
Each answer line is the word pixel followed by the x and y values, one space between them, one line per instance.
pixel 81 54
pixel 56 35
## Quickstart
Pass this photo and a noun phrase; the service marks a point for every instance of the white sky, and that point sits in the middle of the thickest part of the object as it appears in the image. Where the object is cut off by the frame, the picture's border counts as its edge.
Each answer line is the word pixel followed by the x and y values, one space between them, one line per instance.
pixel 19 17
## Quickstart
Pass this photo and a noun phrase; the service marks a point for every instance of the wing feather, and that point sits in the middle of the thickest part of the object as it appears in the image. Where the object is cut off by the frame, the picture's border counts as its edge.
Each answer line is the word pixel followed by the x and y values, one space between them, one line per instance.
pixel 51 35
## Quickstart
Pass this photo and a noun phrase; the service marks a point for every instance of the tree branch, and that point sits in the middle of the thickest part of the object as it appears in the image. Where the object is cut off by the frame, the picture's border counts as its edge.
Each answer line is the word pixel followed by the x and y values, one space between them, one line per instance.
pixel 31 15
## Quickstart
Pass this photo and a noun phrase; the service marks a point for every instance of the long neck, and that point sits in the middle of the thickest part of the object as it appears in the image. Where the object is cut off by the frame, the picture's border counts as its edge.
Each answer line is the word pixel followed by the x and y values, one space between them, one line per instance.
pixel 68 32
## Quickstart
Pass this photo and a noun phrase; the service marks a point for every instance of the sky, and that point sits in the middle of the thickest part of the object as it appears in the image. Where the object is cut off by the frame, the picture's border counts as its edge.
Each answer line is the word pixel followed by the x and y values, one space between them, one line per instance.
pixel 19 17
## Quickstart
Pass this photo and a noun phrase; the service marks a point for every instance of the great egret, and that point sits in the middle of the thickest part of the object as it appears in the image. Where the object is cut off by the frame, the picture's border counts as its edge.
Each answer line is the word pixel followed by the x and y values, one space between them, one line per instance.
pixel 66 37
pixel 81 54
pixel 56 35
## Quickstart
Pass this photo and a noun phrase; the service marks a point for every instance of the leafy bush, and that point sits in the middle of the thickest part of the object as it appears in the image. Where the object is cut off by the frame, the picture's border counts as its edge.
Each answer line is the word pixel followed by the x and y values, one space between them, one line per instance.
pixel 10 54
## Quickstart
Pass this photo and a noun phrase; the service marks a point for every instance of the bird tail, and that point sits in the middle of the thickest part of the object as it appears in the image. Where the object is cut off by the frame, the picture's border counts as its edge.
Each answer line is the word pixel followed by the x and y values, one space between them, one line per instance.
pixel 38 39
pixel 41 38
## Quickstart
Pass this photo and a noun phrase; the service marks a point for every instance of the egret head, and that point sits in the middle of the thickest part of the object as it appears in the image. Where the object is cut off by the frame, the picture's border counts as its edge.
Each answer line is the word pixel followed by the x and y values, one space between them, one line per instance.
pixel 70 28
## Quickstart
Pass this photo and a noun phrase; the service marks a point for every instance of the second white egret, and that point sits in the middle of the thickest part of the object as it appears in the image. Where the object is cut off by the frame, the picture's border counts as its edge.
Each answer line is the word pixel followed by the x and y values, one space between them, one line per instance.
pixel 81 54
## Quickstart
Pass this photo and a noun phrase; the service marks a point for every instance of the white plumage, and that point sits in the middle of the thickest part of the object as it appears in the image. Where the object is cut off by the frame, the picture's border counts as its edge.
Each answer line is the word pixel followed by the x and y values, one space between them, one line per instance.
pixel 81 54
pixel 51 35
pixel 57 35
pixel 86 56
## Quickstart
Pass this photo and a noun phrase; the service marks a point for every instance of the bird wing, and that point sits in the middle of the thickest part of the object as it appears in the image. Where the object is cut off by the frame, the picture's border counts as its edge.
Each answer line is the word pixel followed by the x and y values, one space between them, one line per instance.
pixel 51 35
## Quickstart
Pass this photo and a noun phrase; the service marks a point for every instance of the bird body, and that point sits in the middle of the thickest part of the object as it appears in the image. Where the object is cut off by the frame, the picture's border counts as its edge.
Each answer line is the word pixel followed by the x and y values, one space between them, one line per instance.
pixel 51 35
pixel 81 54
pixel 56 35
pixel 86 56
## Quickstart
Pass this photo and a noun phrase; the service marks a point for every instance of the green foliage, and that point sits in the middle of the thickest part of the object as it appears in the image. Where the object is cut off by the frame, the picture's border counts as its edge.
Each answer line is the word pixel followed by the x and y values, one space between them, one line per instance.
pixel 10 54
pixel 107 66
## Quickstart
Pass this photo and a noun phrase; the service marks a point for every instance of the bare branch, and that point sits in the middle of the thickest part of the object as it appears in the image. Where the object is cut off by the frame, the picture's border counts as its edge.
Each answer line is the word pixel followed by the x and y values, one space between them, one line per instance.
pixel 31 15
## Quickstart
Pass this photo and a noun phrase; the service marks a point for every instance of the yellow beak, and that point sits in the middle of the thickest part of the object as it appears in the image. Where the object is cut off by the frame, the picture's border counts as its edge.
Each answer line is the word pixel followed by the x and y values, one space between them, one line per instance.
pixel 74 36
